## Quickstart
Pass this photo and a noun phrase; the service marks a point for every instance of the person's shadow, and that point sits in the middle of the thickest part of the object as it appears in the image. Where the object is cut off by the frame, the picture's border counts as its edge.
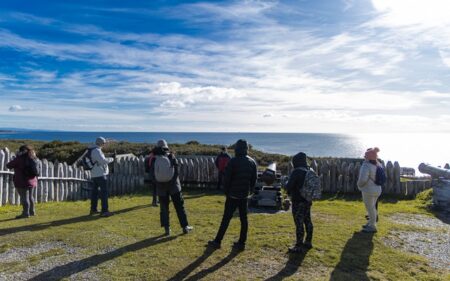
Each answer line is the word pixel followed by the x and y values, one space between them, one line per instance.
pixel 44 225
pixel 195 264
pixel 355 257
pixel 292 265
pixel 66 270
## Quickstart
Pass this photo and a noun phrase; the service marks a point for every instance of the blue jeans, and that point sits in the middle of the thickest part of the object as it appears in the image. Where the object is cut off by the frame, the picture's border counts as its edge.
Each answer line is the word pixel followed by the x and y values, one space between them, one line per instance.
pixel 102 183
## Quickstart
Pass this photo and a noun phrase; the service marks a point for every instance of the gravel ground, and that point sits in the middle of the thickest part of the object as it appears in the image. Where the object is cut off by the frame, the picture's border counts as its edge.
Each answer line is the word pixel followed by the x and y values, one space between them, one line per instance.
pixel 433 242
pixel 20 257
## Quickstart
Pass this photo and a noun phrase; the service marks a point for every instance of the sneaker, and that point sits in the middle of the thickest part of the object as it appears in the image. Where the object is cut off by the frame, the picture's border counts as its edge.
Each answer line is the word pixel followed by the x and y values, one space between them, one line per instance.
pixel 91 213
pixel 167 231
pixel 295 249
pixel 155 204
pixel 369 229
pixel 187 229
pixel 22 216
pixel 365 225
pixel 213 244
pixel 238 246
pixel 106 214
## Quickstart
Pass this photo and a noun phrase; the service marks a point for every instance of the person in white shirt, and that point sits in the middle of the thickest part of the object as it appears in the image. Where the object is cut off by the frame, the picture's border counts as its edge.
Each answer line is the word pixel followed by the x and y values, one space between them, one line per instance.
pixel 99 175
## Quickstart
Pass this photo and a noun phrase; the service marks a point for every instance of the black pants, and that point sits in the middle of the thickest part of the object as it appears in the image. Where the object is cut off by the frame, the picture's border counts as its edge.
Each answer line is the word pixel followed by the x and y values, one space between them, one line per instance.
pixel 231 205
pixel 27 200
pixel 153 190
pixel 100 182
pixel 220 180
pixel 178 203
pixel 301 212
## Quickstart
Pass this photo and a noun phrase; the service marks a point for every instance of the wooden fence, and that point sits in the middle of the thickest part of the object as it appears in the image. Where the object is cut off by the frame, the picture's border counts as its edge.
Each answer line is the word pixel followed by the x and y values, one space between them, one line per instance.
pixel 341 175
pixel 63 182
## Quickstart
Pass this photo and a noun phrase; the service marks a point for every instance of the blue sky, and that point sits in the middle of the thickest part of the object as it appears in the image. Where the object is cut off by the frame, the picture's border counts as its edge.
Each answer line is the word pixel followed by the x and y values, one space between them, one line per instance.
pixel 288 66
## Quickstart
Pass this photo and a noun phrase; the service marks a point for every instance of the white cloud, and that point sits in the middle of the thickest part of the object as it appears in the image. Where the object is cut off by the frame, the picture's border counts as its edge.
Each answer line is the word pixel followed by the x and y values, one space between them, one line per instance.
pixel 268 115
pixel 17 108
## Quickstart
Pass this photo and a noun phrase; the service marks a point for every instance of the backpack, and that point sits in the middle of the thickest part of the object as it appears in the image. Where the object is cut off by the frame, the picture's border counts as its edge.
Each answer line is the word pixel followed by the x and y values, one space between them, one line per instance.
pixel 311 189
pixel 86 161
pixel 32 168
pixel 164 170
pixel 380 176
pixel 222 163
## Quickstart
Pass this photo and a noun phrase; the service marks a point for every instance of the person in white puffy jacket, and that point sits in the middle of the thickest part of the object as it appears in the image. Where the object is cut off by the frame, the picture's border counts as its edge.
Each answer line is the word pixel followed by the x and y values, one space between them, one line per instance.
pixel 99 174
pixel 370 191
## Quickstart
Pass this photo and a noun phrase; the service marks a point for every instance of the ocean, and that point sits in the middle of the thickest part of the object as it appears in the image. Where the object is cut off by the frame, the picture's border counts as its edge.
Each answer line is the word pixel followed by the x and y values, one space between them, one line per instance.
pixel 408 149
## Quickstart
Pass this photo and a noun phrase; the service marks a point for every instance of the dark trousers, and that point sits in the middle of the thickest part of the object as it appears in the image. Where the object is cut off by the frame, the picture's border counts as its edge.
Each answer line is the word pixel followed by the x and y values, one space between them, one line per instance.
pixel 231 205
pixel 154 194
pixel 220 180
pixel 178 203
pixel 99 182
pixel 301 212
pixel 27 200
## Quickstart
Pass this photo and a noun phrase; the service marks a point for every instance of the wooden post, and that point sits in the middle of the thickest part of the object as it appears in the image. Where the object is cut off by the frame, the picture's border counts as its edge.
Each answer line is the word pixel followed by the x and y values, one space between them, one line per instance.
pixel 351 177
pixel 2 168
pixel 390 178
pixel 51 183
pixel 397 176
pixel 70 188
pixel 333 177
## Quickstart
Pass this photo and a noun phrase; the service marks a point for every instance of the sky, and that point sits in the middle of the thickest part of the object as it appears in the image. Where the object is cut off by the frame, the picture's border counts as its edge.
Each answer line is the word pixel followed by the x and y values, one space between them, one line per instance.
pixel 336 66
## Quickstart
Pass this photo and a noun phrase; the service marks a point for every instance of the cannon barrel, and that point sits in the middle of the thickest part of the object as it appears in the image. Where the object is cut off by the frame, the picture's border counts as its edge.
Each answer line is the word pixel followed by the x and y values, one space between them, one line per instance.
pixel 434 172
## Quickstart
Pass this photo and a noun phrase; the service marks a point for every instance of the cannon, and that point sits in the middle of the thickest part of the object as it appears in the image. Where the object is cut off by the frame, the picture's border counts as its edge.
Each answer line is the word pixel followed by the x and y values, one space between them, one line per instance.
pixel 268 189
pixel 434 172
pixel 440 184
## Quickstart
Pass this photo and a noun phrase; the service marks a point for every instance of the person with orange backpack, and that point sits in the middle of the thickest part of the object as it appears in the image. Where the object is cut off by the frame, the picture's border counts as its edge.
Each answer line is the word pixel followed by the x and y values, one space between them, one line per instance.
pixel 221 163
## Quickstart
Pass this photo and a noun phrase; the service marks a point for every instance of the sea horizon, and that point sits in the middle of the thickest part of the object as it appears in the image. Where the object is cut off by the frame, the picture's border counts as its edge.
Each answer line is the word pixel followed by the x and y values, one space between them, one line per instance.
pixel 409 149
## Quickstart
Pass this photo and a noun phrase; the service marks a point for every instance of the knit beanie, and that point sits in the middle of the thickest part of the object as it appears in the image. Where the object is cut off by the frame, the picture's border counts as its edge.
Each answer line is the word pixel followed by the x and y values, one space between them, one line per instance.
pixel 372 153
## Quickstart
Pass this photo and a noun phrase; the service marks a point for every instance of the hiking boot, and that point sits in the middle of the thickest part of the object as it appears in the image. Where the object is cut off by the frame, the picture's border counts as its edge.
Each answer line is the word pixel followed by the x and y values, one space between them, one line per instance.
pixel 106 214
pixel 213 244
pixel 91 213
pixel 295 249
pixel 22 216
pixel 187 229
pixel 239 246
pixel 167 231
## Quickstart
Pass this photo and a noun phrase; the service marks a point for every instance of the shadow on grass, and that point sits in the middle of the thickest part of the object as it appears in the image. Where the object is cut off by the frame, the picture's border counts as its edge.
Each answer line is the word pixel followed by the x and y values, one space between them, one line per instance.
pixel 66 270
pixel 191 267
pixel 355 258
pixel 205 272
pixel 44 225
pixel 293 264
pixel 384 198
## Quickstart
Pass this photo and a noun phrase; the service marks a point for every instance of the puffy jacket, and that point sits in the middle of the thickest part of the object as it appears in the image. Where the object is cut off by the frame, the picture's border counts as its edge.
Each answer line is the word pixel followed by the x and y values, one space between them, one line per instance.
pixel 175 184
pixel 101 162
pixel 226 157
pixel 241 173
pixel 366 179
pixel 297 177
pixel 20 179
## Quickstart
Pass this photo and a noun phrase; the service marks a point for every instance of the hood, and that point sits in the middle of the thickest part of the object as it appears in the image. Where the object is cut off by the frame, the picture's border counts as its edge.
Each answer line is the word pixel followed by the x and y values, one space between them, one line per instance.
pixel 299 160
pixel 241 148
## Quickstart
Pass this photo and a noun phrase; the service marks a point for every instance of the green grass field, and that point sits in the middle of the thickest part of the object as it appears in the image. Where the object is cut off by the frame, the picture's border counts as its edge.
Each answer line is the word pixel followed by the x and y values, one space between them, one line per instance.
pixel 129 245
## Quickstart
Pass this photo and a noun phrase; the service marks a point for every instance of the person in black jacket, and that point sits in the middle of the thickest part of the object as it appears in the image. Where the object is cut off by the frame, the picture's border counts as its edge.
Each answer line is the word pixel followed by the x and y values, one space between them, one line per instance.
pixel 301 208
pixel 239 180
pixel 168 189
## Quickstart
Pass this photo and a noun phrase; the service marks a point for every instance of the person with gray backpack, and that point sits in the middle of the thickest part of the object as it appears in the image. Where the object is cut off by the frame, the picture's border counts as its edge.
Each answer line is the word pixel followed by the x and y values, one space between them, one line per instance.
pixel 164 173
pixel 303 187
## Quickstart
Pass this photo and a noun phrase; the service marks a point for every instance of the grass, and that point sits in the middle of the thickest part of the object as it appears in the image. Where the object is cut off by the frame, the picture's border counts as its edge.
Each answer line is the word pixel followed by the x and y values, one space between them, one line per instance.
pixel 129 245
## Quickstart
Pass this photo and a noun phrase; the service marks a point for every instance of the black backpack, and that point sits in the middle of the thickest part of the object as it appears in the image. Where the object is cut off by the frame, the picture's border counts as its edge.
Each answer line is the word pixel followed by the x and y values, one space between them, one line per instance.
pixel 86 161
pixel 32 168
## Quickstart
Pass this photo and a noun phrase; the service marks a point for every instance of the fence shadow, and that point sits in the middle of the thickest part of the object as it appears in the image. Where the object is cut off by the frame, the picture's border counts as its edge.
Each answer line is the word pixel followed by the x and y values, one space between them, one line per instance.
pixel 195 264
pixel 292 265
pixel 355 258
pixel 44 225
pixel 66 270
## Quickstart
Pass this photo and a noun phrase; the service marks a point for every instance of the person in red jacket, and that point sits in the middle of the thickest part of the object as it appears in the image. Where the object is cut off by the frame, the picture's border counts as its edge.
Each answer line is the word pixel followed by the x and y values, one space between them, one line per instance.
pixel 23 181
pixel 221 163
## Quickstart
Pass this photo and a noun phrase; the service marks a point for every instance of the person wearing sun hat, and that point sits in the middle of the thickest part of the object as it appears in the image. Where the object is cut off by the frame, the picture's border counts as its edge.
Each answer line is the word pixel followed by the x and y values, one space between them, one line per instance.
pixel 368 187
